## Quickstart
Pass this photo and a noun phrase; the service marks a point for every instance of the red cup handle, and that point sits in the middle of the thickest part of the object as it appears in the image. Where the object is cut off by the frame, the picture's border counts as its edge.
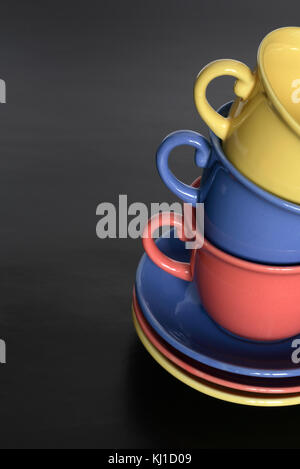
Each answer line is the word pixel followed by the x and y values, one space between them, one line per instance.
pixel 178 269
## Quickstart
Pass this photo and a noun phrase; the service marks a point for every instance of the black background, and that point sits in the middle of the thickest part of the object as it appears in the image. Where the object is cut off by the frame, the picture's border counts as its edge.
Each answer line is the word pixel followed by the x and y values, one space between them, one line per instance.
pixel 92 88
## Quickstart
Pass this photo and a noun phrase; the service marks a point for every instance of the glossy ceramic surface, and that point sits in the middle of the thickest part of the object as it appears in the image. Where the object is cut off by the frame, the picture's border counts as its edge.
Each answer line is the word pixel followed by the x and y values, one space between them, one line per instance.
pixel 173 308
pixel 254 301
pixel 262 133
pixel 227 380
pixel 240 218
pixel 238 397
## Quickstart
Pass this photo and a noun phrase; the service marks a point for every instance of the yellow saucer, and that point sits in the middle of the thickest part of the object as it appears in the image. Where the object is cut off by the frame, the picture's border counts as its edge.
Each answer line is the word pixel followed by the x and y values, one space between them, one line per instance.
pixel 213 390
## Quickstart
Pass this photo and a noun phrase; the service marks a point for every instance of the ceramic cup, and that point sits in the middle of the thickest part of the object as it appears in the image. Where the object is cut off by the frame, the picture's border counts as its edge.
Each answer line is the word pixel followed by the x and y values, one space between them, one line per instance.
pixel 239 217
pixel 261 135
pixel 254 301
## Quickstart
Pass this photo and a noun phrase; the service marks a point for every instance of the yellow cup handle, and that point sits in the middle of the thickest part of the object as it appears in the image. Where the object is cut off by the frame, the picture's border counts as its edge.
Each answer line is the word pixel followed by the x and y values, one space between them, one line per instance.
pixel 242 88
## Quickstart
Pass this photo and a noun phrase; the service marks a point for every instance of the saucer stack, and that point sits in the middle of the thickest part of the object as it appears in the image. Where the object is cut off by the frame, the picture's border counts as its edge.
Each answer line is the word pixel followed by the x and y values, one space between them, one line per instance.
pixel 224 317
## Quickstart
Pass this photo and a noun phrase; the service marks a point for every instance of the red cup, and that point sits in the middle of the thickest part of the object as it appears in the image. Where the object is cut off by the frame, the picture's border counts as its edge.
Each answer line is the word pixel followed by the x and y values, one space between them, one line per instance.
pixel 255 301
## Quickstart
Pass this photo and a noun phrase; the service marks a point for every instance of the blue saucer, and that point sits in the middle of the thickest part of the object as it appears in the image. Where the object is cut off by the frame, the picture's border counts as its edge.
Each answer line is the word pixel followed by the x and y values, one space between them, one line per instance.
pixel 173 308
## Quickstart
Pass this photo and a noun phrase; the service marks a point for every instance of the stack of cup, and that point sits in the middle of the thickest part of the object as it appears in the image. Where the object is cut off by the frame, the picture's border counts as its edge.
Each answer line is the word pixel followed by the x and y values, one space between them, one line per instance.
pixel 251 190
pixel 247 273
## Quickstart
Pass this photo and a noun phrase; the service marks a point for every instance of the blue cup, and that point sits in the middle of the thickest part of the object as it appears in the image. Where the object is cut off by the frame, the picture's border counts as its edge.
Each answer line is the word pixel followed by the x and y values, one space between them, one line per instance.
pixel 240 217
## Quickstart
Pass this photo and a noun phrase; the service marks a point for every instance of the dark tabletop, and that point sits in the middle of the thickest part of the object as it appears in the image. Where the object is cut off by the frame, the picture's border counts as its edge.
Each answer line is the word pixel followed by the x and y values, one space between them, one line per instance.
pixel 92 88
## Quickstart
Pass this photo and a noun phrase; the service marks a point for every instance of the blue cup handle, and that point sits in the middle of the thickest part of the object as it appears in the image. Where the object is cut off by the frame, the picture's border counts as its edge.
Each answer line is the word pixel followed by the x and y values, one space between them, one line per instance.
pixel 185 192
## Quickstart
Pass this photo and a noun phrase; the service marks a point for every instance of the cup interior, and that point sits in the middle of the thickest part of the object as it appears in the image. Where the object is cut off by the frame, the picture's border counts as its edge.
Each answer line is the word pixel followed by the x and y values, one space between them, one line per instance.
pixel 280 60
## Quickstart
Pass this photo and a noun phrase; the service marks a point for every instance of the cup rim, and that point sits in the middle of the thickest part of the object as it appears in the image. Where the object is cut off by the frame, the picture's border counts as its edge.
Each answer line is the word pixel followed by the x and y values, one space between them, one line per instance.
pixel 271 198
pixel 248 265
pixel 291 121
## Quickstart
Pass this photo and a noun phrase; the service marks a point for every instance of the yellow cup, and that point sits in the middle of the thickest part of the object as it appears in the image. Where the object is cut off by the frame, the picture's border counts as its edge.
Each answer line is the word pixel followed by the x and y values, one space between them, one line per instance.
pixel 261 135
